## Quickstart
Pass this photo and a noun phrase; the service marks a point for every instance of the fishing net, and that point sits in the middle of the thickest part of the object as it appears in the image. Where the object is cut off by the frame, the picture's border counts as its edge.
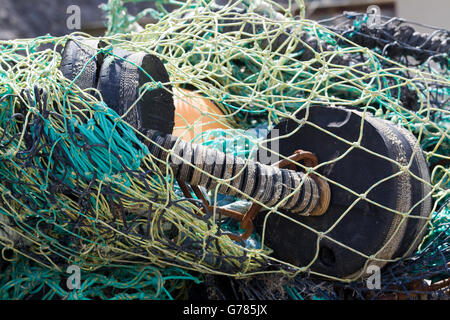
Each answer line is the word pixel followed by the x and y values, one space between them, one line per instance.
pixel 82 184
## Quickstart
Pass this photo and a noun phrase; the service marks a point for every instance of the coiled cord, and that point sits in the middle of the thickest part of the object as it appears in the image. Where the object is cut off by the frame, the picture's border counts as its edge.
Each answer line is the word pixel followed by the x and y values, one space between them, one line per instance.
pixel 200 166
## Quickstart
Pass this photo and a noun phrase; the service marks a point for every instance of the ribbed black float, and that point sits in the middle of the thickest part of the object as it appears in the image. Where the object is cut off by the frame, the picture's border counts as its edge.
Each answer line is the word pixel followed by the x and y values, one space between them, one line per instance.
pixel 199 165
pixel 372 225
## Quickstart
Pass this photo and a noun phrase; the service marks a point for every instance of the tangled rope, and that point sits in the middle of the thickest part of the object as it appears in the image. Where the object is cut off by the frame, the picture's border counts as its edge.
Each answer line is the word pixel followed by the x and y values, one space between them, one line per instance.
pixel 80 185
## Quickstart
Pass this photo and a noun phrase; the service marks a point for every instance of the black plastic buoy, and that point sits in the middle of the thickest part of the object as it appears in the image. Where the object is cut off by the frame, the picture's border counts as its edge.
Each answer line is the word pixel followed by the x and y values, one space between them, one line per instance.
pixel 364 226
pixel 119 76
pixel 81 61
pixel 123 74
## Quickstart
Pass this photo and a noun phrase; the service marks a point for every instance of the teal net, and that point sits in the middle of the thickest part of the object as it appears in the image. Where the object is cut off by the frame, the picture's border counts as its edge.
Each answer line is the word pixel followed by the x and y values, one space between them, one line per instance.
pixel 80 186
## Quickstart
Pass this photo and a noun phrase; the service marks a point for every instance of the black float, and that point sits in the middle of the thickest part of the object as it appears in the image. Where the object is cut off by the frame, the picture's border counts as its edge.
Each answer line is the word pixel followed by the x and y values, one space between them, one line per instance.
pixel 81 61
pixel 369 228
pixel 123 74
pixel 118 75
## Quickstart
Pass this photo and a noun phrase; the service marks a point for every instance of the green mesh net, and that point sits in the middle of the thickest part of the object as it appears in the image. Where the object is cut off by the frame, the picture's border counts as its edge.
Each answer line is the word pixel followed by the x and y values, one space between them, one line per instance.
pixel 80 187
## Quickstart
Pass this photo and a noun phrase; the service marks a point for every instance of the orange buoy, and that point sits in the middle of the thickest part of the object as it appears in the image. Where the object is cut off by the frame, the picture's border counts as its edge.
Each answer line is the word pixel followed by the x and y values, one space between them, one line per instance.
pixel 195 114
